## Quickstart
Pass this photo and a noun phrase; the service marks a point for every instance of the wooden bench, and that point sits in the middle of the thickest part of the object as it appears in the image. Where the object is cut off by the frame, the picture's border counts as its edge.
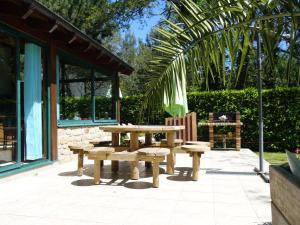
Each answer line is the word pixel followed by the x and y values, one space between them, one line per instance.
pixel 94 154
pixel 195 151
pixel 100 143
pixel 202 143
pixel 81 150
pixel 84 149
pixel 177 142
pixel 154 155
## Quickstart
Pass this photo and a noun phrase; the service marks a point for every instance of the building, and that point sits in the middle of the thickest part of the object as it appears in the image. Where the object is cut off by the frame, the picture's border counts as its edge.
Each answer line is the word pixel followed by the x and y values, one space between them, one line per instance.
pixel 56 86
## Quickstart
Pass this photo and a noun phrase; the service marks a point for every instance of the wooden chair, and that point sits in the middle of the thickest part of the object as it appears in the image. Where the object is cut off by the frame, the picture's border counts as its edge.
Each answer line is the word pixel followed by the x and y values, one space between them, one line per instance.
pixel 190 123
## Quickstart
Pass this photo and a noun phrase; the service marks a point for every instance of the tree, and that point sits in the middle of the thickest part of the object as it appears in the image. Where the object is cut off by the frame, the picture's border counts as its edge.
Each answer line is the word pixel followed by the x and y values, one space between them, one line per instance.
pixel 217 40
pixel 137 54
pixel 100 18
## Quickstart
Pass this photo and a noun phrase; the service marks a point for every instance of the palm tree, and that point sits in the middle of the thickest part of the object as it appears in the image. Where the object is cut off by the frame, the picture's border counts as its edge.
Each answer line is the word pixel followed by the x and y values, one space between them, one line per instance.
pixel 216 39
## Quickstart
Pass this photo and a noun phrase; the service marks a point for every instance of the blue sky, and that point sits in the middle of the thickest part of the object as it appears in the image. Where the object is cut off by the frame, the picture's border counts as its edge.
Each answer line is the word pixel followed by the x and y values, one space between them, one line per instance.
pixel 141 29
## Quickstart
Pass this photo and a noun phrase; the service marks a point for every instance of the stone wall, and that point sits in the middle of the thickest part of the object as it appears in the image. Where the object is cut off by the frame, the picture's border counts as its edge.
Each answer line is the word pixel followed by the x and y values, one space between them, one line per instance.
pixel 74 135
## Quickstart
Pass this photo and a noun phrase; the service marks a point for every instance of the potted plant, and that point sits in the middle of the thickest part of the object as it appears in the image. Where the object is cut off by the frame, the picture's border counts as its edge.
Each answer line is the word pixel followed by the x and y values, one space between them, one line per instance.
pixel 285 191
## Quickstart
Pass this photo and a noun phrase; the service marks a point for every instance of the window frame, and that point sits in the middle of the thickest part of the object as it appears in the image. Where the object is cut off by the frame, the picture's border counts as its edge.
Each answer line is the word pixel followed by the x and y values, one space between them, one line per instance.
pixel 18 165
pixel 111 75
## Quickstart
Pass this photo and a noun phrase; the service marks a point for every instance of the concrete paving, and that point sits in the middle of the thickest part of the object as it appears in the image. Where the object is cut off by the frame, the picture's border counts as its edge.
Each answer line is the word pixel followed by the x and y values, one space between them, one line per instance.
pixel 228 193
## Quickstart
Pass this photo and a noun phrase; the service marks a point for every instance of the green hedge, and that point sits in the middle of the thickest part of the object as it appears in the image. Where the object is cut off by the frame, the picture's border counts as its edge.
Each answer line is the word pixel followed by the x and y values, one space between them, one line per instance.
pixel 281 114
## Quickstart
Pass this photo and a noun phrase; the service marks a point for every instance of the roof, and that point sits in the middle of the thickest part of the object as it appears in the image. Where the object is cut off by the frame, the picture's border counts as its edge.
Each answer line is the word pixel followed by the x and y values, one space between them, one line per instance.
pixel 37 20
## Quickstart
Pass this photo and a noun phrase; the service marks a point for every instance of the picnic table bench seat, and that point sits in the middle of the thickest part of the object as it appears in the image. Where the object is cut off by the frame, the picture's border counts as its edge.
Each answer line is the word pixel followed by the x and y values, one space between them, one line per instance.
pixel 202 143
pixel 195 152
pixel 177 142
pixel 81 150
pixel 99 142
pixel 84 149
pixel 154 155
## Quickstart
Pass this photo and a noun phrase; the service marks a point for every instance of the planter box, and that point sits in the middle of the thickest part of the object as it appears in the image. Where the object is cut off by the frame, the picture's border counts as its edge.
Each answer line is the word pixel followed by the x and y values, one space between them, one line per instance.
pixel 285 195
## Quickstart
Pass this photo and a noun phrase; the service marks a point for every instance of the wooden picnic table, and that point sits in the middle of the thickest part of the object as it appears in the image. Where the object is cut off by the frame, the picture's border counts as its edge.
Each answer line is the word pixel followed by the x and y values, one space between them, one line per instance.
pixel 148 130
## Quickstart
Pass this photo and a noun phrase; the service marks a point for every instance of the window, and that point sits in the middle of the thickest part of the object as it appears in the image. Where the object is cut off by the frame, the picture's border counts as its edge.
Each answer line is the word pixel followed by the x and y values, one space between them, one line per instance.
pixel 74 92
pixel 85 95
pixel 103 97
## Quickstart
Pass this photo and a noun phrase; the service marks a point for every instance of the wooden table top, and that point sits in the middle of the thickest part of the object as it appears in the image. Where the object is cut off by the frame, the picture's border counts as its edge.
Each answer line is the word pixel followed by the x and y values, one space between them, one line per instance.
pixel 220 124
pixel 141 128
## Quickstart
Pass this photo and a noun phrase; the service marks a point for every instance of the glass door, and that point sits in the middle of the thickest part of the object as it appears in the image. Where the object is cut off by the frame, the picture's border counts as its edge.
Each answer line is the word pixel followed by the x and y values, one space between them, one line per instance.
pixel 8 102
pixel 23 102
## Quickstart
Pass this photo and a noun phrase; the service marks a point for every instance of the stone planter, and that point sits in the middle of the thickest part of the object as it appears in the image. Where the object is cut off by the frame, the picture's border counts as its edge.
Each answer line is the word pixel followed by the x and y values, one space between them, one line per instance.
pixel 285 195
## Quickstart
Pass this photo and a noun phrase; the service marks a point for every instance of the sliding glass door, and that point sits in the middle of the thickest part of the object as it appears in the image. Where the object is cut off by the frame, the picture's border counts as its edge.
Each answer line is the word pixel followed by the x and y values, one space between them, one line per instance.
pixel 8 101
pixel 23 101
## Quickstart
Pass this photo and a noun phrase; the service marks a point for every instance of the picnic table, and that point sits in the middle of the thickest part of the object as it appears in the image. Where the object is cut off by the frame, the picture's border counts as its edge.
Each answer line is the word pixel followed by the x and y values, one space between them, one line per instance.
pixel 148 130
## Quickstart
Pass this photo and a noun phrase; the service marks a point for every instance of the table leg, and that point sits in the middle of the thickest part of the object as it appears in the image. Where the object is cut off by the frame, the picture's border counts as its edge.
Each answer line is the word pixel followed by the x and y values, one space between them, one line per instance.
pixel 134 145
pixel 97 171
pixel 80 163
pixel 155 174
pixel 171 156
pixel 115 142
pixel 196 165
pixel 148 142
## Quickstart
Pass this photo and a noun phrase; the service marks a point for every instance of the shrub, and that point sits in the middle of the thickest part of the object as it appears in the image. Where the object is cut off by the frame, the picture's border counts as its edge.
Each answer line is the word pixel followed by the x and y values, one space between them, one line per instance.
pixel 281 109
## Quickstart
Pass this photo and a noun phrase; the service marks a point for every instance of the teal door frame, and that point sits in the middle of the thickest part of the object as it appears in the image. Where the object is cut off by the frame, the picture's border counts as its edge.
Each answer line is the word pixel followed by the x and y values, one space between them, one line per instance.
pixel 18 164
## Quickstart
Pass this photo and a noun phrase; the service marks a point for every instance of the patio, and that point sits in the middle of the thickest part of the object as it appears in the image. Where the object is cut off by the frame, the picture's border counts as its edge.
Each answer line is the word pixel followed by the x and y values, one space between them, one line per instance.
pixel 228 192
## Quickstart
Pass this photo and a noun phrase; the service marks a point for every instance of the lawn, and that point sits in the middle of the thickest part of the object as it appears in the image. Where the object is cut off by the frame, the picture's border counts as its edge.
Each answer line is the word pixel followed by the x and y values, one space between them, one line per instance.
pixel 275 158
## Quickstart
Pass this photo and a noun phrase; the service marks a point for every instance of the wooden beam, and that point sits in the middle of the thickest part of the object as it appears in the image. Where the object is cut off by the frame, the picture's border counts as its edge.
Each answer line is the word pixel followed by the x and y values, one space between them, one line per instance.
pixel 53 112
pixel 88 48
pixel 109 61
pixel 74 38
pixel 100 55
pixel 53 28
pixel 28 13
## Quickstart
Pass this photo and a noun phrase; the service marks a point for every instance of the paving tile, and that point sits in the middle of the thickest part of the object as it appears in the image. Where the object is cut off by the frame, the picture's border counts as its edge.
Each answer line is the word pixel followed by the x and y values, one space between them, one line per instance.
pixel 235 220
pixel 192 219
pixel 232 210
pixel 196 196
pixel 188 207
pixel 25 220
pixel 227 192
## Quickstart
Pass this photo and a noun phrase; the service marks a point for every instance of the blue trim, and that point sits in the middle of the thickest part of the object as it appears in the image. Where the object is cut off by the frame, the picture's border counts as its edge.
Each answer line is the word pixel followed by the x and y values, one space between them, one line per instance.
pixel 78 123
pixel 93 121
pixel 19 110
pixel 26 167
pixel 48 108
pixel 14 165
pixel 18 166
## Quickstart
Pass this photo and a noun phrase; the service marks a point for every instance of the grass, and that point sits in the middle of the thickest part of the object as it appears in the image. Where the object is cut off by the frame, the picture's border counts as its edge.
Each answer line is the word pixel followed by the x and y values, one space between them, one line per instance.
pixel 275 158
